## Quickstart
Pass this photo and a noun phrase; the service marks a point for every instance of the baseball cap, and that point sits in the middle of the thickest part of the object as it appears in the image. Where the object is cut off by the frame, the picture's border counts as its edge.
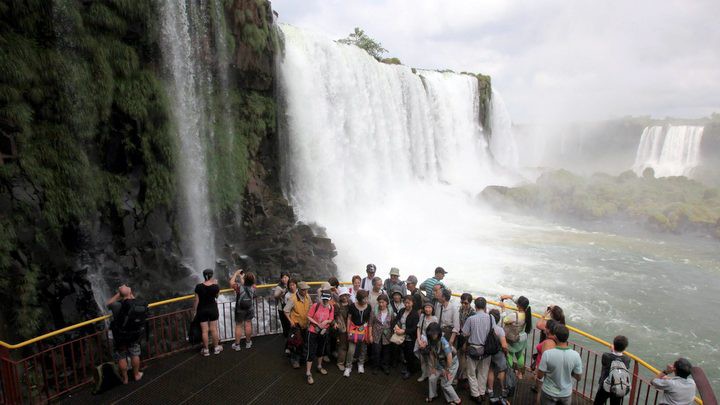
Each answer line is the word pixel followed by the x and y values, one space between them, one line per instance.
pixel 303 286
pixel 440 270
pixel 411 280
pixel 371 268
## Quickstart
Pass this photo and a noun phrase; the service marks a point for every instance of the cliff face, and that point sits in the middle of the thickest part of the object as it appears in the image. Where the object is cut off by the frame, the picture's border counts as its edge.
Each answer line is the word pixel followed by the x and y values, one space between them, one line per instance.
pixel 88 191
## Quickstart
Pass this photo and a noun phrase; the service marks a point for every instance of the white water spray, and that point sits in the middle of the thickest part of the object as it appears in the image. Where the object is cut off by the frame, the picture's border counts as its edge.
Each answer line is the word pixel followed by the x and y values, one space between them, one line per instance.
pixel 502 143
pixel 388 160
pixel 671 151
pixel 186 54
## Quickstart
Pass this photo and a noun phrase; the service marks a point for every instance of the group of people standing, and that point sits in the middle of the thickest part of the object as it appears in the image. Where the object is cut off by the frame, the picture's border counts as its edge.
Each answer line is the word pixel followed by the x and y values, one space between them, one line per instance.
pixel 417 328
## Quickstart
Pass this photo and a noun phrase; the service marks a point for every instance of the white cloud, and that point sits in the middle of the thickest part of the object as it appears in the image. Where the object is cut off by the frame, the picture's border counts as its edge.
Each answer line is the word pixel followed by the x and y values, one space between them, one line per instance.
pixel 579 59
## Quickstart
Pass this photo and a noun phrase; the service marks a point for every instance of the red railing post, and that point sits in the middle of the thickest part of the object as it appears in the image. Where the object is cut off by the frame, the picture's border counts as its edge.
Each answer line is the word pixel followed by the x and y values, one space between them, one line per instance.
pixel 10 380
pixel 634 383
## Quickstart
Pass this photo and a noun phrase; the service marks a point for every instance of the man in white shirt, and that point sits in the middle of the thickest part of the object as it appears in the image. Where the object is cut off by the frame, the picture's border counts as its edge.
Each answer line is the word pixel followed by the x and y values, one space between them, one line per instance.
pixel 678 390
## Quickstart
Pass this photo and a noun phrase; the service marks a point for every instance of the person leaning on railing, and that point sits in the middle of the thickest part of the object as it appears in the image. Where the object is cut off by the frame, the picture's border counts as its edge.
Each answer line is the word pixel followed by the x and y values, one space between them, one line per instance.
pixel 517 325
pixel 677 390
pixel 244 286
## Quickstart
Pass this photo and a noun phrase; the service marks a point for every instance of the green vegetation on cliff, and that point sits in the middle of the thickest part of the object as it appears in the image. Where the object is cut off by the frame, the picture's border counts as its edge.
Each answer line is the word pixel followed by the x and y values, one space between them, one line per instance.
pixel 672 204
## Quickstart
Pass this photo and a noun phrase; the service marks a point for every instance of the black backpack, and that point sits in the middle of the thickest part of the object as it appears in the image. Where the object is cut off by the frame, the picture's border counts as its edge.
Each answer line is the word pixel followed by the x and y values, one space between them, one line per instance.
pixel 244 299
pixel 131 323
pixel 492 343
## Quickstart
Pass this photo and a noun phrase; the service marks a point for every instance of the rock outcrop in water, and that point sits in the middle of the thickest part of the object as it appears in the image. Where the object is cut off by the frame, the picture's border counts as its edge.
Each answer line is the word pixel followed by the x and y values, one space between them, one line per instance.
pixel 88 184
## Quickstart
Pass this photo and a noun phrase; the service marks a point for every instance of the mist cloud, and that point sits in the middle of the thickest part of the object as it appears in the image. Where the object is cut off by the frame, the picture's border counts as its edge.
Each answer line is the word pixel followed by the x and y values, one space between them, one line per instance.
pixel 552 60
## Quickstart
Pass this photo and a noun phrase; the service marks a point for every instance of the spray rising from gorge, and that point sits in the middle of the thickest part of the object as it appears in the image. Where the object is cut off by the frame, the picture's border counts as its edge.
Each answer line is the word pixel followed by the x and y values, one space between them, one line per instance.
pixel 188 58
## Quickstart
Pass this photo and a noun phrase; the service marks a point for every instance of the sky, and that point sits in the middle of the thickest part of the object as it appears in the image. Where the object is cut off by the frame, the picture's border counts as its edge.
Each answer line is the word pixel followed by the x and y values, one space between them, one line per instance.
pixel 552 60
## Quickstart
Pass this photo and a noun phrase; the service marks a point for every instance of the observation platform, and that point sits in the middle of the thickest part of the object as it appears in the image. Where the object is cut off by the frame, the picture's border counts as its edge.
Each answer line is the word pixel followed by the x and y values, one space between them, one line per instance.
pixel 263 375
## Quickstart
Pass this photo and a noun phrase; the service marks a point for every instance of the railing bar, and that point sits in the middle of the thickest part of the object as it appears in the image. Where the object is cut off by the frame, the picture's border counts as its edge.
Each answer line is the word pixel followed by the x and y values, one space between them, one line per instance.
pixel 585 374
pixel 54 370
pixel 74 363
pixel 82 359
pixel 592 381
pixel 67 383
pixel 155 335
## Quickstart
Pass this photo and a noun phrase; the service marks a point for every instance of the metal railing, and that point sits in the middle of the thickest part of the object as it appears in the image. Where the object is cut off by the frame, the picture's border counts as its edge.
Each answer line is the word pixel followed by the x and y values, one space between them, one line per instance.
pixel 36 371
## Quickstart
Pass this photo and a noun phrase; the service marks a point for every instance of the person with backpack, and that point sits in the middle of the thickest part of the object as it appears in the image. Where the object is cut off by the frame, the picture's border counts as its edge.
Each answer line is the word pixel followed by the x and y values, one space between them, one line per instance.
pixel 320 316
pixel 129 319
pixel 614 382
pixel 443 365
pixel 244 286
pixel 296 310
pixel 517 326
pixel 481 345
pixel 498 362
pixel 206 312
pixel 558 367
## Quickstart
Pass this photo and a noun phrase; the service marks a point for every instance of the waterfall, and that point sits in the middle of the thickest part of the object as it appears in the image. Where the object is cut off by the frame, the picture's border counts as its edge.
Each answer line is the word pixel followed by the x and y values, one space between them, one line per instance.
pixel 502 143
pixel 379 154
pixel 188 57
pixel 671 151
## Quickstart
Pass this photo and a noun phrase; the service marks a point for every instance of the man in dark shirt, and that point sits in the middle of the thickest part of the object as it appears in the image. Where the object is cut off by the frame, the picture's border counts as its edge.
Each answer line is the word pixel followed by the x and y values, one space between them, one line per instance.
pixel 120 304
pixel 414 291
pixel 620 343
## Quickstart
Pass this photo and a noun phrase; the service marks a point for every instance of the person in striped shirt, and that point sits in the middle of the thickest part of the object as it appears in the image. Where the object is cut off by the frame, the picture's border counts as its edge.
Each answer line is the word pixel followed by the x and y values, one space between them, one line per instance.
pixel 430 283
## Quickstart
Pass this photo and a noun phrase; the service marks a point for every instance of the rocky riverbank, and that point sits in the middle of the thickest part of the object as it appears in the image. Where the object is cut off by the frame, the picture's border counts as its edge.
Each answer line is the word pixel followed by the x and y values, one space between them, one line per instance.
pixel 672 204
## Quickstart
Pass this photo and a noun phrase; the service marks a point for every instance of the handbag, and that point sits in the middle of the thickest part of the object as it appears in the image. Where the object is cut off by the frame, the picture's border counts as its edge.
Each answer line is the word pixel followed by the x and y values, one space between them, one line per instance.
pixel 194 332
pixel 295 339
pixel 397 339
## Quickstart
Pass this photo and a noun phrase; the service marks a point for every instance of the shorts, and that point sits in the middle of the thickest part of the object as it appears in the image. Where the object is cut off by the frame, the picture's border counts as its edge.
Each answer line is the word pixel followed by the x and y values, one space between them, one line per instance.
pixel 124 351
pixel 242 315
pixel 209 314
pixel 498 362
pixel 315 346
pixel 547 399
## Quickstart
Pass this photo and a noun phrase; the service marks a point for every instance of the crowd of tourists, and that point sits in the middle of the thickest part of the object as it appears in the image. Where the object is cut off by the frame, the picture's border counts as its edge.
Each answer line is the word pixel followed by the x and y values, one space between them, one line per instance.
pixel 416 329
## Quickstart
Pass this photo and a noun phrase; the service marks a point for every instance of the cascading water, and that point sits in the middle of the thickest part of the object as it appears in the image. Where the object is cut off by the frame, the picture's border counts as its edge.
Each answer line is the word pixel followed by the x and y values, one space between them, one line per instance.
pixel 387 159
pixel 188 58
pixel 502 143
pixel 671 151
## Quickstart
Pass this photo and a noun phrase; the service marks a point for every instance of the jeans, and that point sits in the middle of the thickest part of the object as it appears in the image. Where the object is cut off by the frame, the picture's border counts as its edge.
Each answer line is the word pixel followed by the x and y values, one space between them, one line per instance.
pixel 602 396
pixel 546 399
pixel 445 383
pixel 477 372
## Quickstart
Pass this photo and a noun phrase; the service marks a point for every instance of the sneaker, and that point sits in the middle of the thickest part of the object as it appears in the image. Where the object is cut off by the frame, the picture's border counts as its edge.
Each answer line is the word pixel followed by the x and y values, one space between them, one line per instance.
pixel 295 364
pixel 341 367
pixel 248 344
pixel 205 352
pixel 322 371
pixel 361 368
pixel 218 349
pixel 287 351
pixel 422 378
pixel 310 379
pixel 346 373
pixel 236 347
pixel 326 359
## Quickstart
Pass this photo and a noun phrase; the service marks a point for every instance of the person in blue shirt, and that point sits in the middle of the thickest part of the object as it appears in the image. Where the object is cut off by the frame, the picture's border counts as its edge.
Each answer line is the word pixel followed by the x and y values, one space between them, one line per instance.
pixel 443 365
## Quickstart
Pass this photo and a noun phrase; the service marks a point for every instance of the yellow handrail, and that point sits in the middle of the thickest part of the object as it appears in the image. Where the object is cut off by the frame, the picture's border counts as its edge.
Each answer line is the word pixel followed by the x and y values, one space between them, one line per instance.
pixel 229 290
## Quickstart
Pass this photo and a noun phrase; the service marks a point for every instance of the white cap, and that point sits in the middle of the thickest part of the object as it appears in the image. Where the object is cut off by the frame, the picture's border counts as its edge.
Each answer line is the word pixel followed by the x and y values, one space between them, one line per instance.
pixel 343 291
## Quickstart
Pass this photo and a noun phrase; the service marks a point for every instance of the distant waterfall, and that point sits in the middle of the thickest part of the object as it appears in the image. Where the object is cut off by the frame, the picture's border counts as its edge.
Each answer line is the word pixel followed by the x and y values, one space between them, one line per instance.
pixel 670 151
pixel 187 34
pixel 358 130
pixel 502 143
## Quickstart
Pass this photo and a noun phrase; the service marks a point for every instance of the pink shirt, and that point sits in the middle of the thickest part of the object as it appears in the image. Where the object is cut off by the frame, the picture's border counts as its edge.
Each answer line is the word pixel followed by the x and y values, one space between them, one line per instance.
pixel 320 314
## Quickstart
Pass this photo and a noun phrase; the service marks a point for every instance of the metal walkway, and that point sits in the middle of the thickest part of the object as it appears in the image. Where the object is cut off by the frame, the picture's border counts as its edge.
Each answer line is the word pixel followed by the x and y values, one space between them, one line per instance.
pixel 262 375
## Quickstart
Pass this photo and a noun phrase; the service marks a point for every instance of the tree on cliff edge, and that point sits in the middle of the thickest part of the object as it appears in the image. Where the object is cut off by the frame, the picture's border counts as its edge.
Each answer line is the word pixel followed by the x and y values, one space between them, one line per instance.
pixel 362 41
